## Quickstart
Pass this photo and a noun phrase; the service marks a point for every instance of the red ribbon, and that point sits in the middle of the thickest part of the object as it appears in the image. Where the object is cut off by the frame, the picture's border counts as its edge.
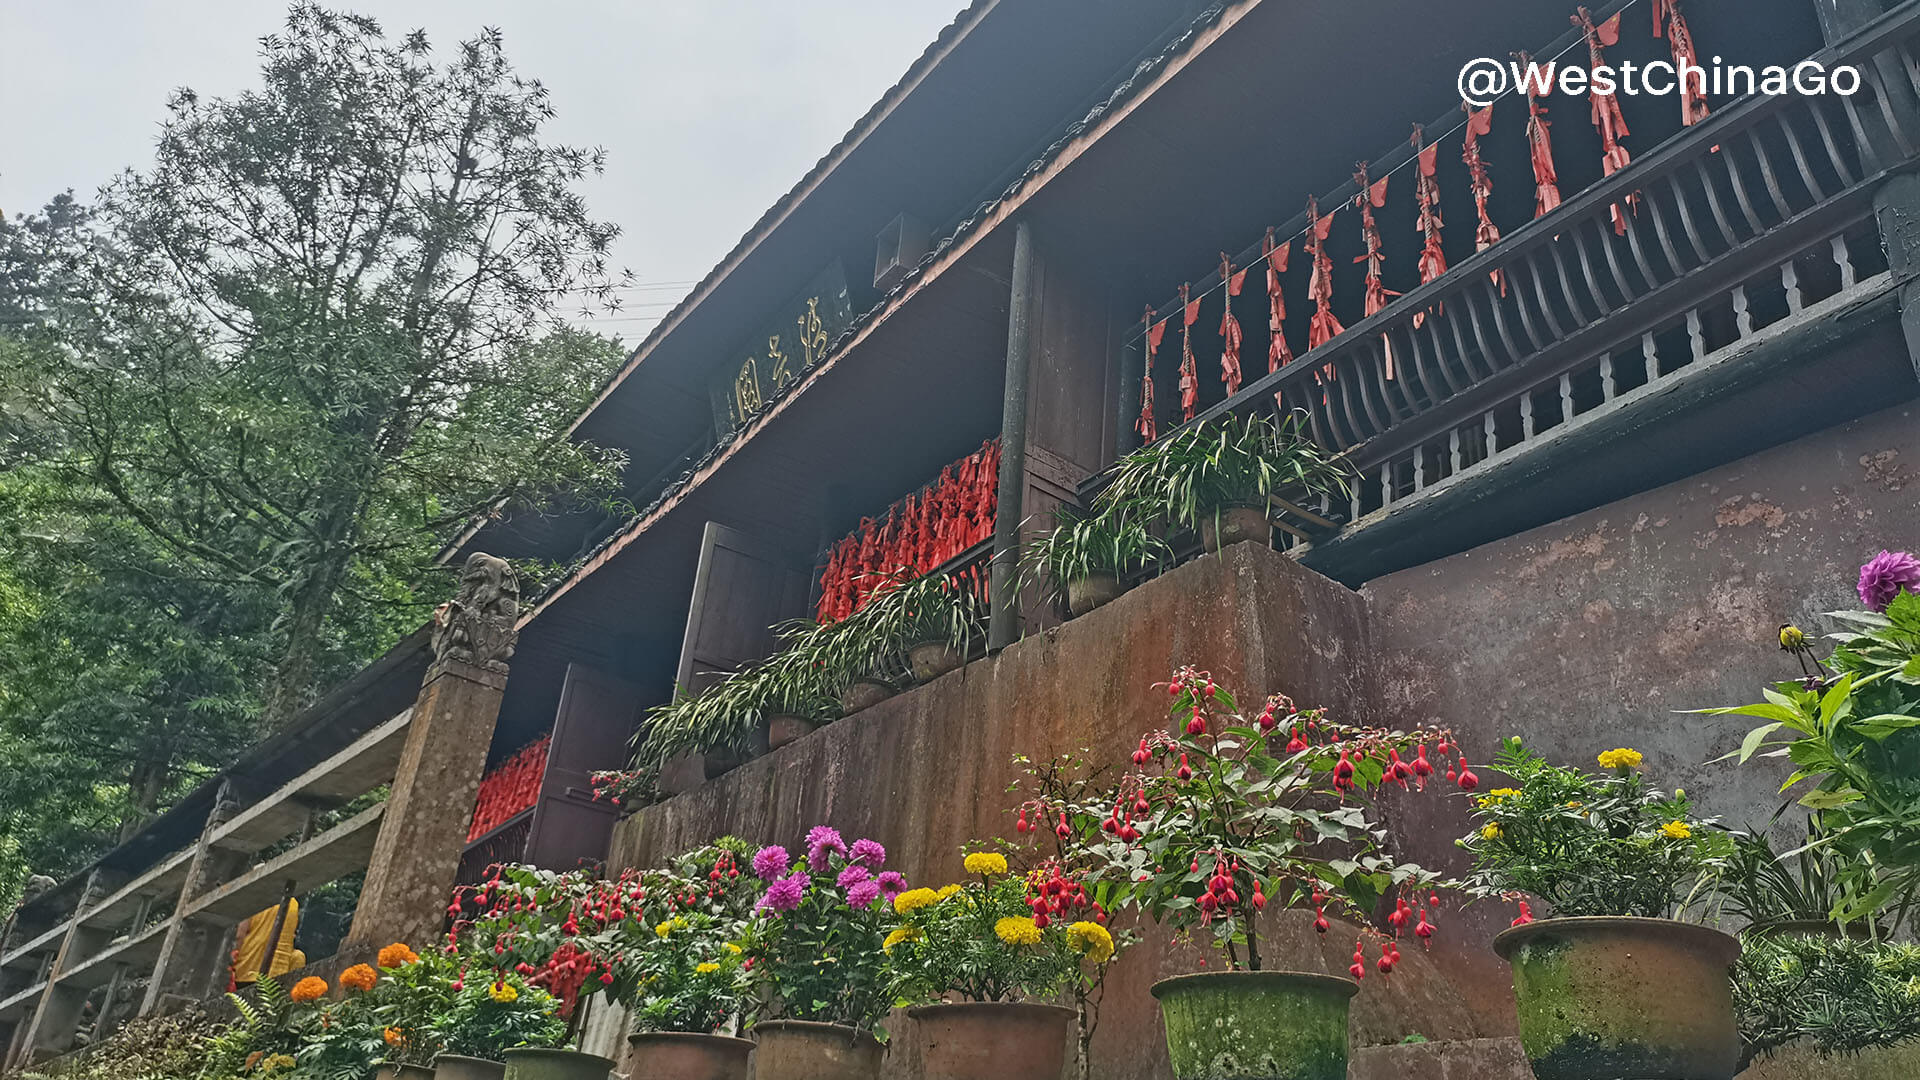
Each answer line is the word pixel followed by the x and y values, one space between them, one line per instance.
pixel 1148 428
pixel 1693 92
pixel 1276 259
pixel 1230 333
pixel 1485 234
pixel 1189 368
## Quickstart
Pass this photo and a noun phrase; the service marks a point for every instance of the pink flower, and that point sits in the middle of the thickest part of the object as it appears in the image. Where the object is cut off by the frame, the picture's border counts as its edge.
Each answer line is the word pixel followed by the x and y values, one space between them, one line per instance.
pixel 869 854
pixel 863 894
pixel 820 840
pixel 770 862
pixel 853 875
pixel 1884 575
pixel 784 894
pixel 891 883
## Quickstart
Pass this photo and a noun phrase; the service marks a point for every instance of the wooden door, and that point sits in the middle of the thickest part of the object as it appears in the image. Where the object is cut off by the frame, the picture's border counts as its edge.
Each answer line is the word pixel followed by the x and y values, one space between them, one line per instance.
pixel 591 728
pixel 742 589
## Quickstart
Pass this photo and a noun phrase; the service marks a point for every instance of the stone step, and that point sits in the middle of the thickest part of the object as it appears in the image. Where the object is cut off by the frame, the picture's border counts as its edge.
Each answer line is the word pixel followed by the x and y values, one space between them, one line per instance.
pixel 1460 1059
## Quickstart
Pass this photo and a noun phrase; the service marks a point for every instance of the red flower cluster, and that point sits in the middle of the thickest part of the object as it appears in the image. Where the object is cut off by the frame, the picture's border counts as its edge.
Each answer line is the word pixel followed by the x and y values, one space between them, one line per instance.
pixel 921 532
pixel 512 786
pixel 1053 893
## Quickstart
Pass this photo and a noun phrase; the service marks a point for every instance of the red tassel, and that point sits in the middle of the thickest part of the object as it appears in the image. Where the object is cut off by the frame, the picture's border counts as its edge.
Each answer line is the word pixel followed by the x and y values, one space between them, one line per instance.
pixel 1608 120
pixel 1546 185
pixel 1189 369
pixel 1485 234
pixel 1230 334
pixel 1373 194
pixel 1146 425
pixel 1426 193
pixel 1276 257
pixel 1693 92
pixel 1323 327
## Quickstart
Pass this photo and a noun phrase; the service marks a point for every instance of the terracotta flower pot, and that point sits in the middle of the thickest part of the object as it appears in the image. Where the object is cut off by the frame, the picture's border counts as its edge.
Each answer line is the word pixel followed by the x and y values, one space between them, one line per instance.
pixel 1609 997
pixel 675 1055
pixel 863 694
pixel 1256 1025
pixel 403 1072
pixel 455 1067
pixel 1229 525
pixel 784 728
pixel 992 1040
pixel 932 659
pixel 528 1064
pixel 1085 594
pixel 804 1050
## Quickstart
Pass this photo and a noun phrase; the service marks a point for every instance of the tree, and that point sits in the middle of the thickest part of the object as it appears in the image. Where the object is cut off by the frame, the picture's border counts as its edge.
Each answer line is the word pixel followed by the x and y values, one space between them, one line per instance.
pixel 320 333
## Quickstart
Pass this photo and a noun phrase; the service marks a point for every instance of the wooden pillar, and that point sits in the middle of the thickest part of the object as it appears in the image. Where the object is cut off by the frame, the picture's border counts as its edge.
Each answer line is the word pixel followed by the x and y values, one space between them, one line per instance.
pixel 1004 624
pixel 424 828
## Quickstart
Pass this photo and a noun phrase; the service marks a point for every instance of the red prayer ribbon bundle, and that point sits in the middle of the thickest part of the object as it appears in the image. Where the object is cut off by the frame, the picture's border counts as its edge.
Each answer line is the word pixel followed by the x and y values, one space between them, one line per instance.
pixel 1230 333
pixel 512 787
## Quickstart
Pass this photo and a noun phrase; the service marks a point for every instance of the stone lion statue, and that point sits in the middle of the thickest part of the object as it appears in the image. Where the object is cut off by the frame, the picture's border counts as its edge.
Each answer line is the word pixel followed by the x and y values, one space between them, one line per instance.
pixel 477 626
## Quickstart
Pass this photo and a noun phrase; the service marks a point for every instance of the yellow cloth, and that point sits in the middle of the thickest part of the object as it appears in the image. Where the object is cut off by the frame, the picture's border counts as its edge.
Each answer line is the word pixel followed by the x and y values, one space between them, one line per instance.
pixel 250 945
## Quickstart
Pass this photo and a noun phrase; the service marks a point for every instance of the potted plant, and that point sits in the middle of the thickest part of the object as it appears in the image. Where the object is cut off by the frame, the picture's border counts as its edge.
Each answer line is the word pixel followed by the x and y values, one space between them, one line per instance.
pixel 790 693
pixel 823 1018
pixel 1218 478
pixel 408 1005
pixel 1231 813
pixel 1086 556
pixel 939 618
pixel 854 657
pixel 1837 999
pixel 1614 983
pixel 994 944
pixel 489 1015
pixel 687 984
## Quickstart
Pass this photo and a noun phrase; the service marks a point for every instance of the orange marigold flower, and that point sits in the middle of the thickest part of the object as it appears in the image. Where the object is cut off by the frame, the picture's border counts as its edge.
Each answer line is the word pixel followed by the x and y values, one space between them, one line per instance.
pixel 359 977
pixel 311 988
pixel 394 1036
pixel 397 955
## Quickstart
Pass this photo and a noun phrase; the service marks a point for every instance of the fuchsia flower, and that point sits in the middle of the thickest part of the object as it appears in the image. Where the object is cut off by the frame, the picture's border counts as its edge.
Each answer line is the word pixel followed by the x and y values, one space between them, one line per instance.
pixel 863 894
pixel 1884 575
pixel 820 840
pixel 771 862
pixel 869 853
pixel 784 894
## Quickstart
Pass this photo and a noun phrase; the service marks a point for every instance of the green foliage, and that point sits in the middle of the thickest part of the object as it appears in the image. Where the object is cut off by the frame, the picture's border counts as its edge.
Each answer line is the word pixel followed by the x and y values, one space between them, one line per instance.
pixel 1592 844
pixel 170 1047
pixel 1236 461
pixel 1083 545
pixel 979 941
pixel 1832 993
pixel 692 978
pixel 488 1017
pixel 824 960
pixel 270 1026
pixel 1223 814
pixel 1762 886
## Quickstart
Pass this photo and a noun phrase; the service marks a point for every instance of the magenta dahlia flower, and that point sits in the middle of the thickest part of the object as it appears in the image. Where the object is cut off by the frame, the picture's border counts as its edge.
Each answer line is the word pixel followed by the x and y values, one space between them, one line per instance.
pixel 1884 575
pixel 891 883
pixel 771 862
pixel 863 894
pixel 853 875
pixel 869 854
pixel 820 840
pixel 784 894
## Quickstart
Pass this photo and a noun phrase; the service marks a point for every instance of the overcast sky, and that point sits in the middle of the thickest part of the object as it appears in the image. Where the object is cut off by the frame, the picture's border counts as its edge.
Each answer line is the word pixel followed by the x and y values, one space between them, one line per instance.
pixel 709 109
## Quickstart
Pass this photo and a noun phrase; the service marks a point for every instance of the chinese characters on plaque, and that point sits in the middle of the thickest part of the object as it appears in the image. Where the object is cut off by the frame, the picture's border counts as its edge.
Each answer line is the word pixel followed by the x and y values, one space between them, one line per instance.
pixel 784 350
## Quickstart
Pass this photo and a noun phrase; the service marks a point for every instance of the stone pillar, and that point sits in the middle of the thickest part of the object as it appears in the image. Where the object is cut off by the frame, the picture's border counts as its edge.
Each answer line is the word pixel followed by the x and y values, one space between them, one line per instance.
pixel 424 830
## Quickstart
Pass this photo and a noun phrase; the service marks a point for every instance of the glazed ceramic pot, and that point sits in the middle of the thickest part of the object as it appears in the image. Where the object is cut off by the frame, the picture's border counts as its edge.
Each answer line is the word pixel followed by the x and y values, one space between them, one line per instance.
pixel 932 659
pixel 1256 1025
pixel 527 1064
pixel 992 1040
pixel 1607 997
pixel 675 1055
pixel 1085 594
pixel 805 1050
pixel 455 1067
pixel 1230 525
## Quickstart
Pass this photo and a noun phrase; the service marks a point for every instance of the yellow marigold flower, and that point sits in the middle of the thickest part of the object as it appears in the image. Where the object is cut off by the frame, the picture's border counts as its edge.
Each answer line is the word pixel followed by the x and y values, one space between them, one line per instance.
pixel 1017 930
pixel 397 955
pixel 900 934
pixel 1620 758
pixel 707 968
pixel 670 926
pixel 946 891
pixel 311 988
pixel 1574 804
pixel 1490 831
pixel 1677 830
pixel 359 977
pixel 913 900
pixel 277 1062
pixel 394 1036
pixel 732 948
pixel 504 992
pixel 1092 940
pixel 986 862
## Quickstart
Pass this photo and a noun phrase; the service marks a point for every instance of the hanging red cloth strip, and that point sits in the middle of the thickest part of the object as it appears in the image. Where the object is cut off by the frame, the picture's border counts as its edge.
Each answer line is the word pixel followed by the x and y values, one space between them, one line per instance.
pixel 1485 234
pixel 1426 193
pixel 1608 120
pixel 1148 428
pixel 1372 196
pixel 1323 327
pixel 1230 333
pixel 1546 185
pixel 1189 368
pixel 1276 258
pixel 1693 92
